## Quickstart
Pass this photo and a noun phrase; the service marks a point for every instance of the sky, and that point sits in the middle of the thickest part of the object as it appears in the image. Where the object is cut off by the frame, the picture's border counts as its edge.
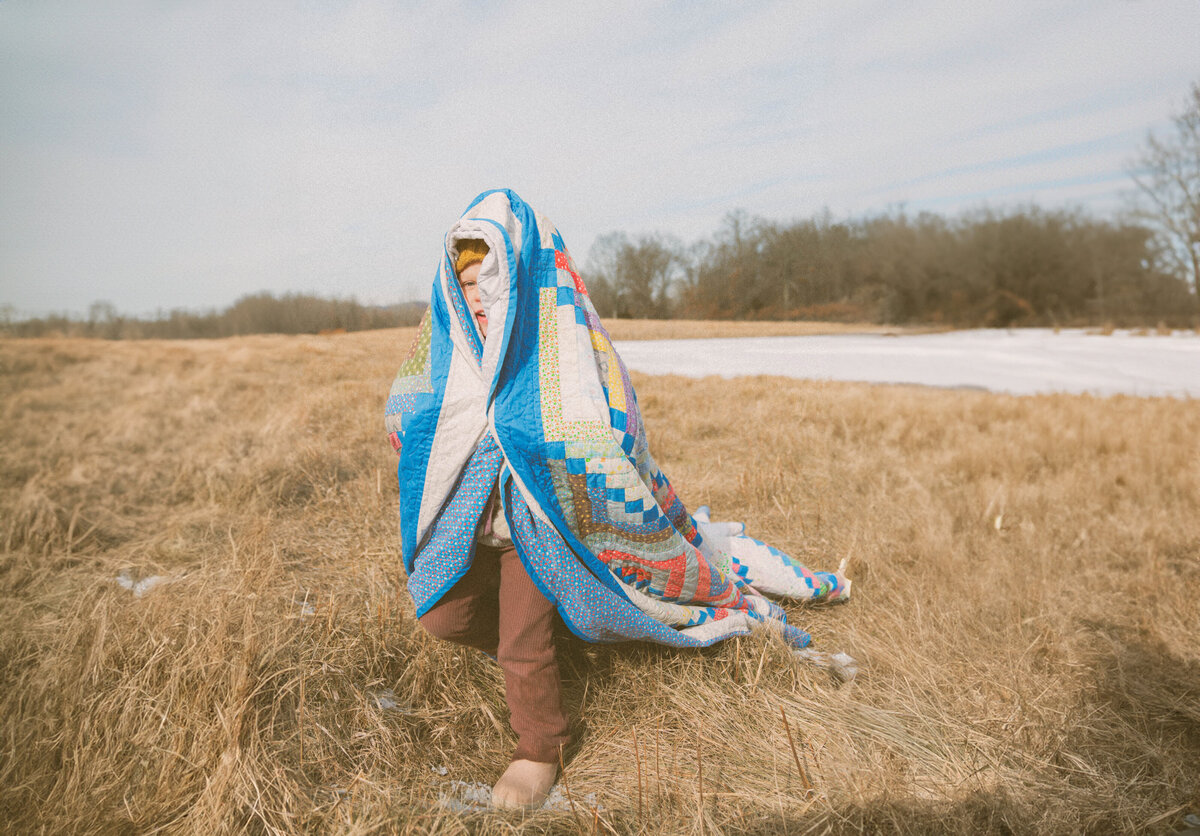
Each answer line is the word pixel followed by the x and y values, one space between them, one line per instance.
pixel 182 153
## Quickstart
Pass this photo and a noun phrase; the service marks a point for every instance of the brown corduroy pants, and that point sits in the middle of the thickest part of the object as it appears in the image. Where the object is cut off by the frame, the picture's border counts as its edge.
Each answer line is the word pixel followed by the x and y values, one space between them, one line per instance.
pixel 495 607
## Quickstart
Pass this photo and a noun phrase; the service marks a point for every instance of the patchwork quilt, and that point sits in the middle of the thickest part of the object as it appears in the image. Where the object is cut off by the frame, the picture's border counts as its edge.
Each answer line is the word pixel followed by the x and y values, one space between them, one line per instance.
pixel 545 406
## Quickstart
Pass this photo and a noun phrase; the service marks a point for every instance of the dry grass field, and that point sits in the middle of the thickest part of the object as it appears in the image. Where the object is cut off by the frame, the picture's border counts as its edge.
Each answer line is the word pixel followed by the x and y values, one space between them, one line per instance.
pixel 1026 611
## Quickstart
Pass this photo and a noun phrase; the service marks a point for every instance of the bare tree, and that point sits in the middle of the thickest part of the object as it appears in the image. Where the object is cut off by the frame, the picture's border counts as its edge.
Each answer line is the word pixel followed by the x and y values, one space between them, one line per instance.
pixel 634 278
pixel 1167 175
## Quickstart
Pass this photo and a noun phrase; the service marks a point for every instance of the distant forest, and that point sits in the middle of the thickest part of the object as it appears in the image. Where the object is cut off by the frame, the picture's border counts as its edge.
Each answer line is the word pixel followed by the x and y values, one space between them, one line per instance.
pixel 1021 267
pixel 259 313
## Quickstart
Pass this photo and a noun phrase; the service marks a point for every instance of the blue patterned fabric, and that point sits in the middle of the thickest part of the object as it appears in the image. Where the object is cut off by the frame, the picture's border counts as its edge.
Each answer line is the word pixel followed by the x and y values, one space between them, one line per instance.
pixel 447 555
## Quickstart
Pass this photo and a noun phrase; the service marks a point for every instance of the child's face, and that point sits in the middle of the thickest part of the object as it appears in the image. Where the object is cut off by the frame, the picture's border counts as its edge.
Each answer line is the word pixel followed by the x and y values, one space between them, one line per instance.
pixel 468 280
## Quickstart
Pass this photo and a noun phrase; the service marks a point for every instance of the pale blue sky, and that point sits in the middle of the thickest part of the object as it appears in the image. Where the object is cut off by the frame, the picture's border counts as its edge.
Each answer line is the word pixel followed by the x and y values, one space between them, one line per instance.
pixel 167 154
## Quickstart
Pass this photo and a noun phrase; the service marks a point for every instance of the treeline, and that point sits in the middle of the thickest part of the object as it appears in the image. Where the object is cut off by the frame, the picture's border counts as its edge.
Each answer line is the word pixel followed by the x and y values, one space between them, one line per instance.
pixel 1018 267
pixel 259 313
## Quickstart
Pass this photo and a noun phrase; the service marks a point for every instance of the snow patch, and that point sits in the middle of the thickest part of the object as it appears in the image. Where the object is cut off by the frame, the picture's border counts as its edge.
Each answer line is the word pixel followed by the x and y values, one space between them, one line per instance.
pixel 1020 362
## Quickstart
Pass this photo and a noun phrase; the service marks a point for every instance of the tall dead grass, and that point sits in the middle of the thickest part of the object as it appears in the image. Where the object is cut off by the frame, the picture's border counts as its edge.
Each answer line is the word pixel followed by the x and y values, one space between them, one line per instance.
pixel 1027 572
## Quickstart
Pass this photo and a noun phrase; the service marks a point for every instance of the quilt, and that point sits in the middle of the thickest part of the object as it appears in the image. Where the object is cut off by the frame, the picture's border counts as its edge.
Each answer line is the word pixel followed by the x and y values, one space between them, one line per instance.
pixel 544 408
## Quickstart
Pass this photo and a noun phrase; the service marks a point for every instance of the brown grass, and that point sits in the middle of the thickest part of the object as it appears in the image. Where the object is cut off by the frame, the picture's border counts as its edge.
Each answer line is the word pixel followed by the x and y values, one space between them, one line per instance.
pixel 1027 572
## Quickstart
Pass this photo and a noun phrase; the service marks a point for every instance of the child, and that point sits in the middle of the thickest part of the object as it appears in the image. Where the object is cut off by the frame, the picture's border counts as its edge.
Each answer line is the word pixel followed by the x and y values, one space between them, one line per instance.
pixel 495 607
pixel 527 487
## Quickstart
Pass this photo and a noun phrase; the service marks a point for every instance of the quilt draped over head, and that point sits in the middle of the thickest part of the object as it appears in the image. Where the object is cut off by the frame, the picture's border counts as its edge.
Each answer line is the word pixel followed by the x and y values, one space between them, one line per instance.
pixel 545 408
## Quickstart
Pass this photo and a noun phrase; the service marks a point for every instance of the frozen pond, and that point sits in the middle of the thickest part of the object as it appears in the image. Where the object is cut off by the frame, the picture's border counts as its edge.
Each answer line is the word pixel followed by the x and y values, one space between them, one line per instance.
pixel 1022 362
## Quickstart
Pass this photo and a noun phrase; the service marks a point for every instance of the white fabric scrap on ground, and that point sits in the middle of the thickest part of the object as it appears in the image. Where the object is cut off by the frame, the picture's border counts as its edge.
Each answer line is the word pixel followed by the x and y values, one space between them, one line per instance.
pixel 139 588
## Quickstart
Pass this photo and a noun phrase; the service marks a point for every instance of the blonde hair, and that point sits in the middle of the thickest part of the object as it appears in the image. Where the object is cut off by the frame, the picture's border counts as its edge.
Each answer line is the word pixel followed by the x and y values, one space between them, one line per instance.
pixel 470 251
